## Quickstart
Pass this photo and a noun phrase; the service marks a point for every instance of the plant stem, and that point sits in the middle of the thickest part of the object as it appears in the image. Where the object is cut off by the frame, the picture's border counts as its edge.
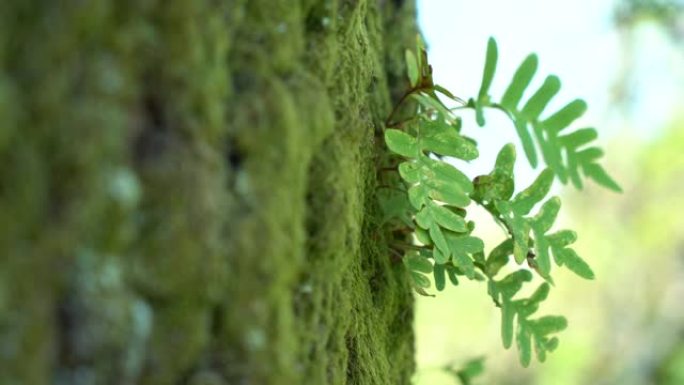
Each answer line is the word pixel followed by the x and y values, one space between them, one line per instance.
pixel 407 94
pixel 496 218
pixel 393 188
pixel 407 246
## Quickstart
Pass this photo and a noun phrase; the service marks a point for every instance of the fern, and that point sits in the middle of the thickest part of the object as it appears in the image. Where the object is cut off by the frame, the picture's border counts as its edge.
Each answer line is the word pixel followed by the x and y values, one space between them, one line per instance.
pixel 566 154
pixel 463 374
pixel 433 207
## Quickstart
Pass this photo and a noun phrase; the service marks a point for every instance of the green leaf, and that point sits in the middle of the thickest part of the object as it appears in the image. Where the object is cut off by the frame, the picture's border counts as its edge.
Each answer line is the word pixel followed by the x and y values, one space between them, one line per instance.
pixel 451 273
pixel 507 318
pixel 489 188
pixel 423 236
pixel 438 238
pixel 549 324
pixel 395 205
pixel 421 291
pixel 562 238
pixel 412 68
pixel 439 274
pixel 551 151
pixel 445 173
pixel 450 143
pixel 505 160
pixel 418 195
pixel 498 185
pixel 448 193
pixel 461 246
pixel 588 155
pixel 498 257
pixel 542 260
pixel 466 243
pixel 464 263
pixel 528 198
pixel 401 143
pixel 552 344
pixel 479 257
pixel 547 214
pixel 541 328
pixel 540 348
pixel 440 258
pixel 445 92
pixel 416 262
pixel 409 171
pixel 540 224
pixel 527 330
pixel 521 80
pixel 523 340
pixel 433 103
pixel 600 176
pixel 421 51
pixel 489 68
pixel 519 228
pixel 573 171
pixel 578 138
pixel 536 104
pixel 526 140
pixel 512 283
pixel 569 258
pixel 540 294
pixel 565 116
pixel 424 218
pixel 447 218
pixel 420 280
pixel 470 370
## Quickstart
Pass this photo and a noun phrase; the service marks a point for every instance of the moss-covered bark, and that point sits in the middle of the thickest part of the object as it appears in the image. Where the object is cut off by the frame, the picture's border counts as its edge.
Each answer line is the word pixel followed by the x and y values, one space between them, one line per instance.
pixel 187 192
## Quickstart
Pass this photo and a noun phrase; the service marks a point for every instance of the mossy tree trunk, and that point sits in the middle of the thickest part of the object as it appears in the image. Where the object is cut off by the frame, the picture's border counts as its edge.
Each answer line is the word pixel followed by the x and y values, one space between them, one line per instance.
pixel 187 192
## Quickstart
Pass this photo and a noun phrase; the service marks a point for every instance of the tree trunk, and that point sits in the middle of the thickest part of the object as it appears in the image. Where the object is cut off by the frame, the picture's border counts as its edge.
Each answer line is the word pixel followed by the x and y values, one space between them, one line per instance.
pixel 187 192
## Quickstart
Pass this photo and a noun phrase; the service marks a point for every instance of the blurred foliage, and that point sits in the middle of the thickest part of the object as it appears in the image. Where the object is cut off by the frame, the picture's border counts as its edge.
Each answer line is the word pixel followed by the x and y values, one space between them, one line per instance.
pixel 639 319
pixel 629 324
pixel 667 12
pixel 630 18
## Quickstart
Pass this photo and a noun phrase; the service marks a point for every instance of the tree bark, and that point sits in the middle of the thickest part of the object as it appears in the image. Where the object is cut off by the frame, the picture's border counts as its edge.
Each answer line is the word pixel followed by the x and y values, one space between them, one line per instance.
pixel 187 192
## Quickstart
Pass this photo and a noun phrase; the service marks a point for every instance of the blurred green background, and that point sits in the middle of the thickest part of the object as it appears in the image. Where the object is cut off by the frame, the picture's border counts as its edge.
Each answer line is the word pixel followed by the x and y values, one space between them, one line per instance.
pixel 626 58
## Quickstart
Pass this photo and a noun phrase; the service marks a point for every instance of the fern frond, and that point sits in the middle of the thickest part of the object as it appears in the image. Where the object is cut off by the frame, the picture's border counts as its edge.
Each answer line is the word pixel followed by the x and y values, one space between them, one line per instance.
pixel 565 153
pixel 433 208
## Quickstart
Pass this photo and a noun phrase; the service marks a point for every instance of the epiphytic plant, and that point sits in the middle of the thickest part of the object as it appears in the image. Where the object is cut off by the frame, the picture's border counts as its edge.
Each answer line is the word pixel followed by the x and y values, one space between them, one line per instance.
pixel 431 196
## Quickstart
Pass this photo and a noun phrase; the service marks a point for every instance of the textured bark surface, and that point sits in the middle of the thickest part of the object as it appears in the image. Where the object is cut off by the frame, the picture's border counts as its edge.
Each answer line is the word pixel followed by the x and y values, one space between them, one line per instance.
pixel 187 192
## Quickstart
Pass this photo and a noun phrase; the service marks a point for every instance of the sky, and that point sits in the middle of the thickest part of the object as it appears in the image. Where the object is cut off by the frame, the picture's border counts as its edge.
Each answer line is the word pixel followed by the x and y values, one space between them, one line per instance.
pixel 574 39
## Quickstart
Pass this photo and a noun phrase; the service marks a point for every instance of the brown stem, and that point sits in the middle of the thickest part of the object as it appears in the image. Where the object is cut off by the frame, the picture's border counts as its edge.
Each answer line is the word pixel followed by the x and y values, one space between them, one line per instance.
pixel 397 255
pixel 399 123
pixel 399 103
pixel 393 188
pixel 405 246
pixel 407 94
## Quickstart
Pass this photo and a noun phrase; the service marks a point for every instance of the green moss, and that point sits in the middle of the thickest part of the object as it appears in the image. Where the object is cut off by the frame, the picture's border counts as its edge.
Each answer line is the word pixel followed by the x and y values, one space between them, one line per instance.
pixel 187 190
